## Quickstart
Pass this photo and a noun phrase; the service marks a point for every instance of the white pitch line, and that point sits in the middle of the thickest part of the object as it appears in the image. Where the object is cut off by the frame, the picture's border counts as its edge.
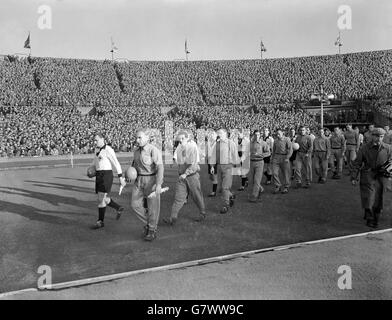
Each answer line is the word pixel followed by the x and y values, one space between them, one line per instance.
pixel 116 276
pixel 50 166
pixel 13 293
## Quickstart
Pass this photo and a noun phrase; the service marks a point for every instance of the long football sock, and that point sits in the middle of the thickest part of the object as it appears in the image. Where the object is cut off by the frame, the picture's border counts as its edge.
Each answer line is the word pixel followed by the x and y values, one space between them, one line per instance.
pixel 113 205
pixel 101 213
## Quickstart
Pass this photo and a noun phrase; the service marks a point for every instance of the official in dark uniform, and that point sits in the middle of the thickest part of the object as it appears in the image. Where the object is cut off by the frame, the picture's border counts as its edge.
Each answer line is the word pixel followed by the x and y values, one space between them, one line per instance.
pixel 369 162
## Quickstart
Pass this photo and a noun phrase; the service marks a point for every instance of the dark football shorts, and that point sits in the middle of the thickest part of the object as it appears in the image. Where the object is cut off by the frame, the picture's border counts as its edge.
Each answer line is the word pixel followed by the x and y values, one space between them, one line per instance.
pixel 103 181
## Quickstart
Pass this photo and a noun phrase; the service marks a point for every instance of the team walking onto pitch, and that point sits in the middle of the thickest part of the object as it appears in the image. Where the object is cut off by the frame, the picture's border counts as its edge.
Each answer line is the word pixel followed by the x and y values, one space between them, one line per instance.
pixel 281 159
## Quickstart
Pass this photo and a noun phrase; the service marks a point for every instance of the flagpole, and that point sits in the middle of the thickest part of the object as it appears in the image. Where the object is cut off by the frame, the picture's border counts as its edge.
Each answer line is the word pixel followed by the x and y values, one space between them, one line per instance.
pixel 112 46
pixel 262 49
pixel 340 41
pixel 186 50
pixel 29 45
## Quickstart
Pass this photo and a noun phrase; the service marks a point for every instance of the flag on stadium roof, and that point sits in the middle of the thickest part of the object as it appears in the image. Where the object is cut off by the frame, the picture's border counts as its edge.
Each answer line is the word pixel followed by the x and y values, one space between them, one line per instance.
pixel 27 42
pixel 338 41
pixel 186 47
pixel 262 47
pixel 114 47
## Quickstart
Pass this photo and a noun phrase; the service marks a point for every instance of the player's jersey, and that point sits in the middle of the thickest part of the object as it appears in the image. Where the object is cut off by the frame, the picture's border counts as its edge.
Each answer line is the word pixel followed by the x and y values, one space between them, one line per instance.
pixel 192 144
pixel 105 159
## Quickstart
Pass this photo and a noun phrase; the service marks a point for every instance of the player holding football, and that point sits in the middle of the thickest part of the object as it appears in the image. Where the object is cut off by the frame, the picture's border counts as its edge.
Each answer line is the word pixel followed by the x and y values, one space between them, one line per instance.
pixel 149 166
pixel 104 161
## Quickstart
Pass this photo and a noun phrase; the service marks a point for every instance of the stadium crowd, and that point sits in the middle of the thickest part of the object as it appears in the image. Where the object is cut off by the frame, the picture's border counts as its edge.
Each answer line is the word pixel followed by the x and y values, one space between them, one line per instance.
pixel 38 131
pixel 39 97
pixel 52 81
pixel 385 108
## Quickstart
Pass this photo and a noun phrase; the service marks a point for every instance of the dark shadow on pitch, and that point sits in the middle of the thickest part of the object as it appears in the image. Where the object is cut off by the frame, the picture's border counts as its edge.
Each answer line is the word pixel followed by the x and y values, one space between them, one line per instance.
pixel 35 214
pixel 61 186
pixel 50 198
pixel 75 179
